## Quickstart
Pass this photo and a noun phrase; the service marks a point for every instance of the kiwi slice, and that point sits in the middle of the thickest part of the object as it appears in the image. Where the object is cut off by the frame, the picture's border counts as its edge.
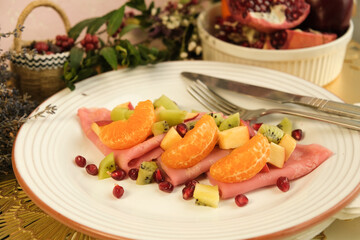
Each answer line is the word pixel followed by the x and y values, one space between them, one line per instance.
pixel 107 165
pixel 120 113
pixel 271 132
pixel 230 122
pixel 285 125
pixel 172 117
pixel 190 124
pixel 166 102
pixel 218 117
pixel 206 195
pixel 160 127
pixel 146 172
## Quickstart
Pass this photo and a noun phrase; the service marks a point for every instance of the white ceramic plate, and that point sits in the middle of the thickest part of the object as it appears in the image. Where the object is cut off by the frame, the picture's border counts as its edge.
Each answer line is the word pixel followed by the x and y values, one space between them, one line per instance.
pixel 45 148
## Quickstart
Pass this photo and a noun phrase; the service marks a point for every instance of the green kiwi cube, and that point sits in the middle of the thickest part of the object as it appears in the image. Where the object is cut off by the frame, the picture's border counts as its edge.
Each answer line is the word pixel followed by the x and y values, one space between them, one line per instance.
pixel 120 113
pixel 230 122
pixel 286 125
pixel 160 127
pixel 146 172
pixel 206 195
pixel 271 132
pixel 172 117
pixel 190 124
pixel 166 102
pixel 107 165
pixel 218 117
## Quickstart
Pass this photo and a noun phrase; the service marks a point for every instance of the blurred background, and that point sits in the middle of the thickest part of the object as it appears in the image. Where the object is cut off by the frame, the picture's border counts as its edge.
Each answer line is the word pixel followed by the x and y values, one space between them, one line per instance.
pixel 44 23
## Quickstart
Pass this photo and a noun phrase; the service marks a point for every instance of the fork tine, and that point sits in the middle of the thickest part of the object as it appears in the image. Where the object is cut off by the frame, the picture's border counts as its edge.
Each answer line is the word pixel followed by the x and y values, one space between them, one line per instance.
pixel 206 95
pixel 204 99
pixel 225 103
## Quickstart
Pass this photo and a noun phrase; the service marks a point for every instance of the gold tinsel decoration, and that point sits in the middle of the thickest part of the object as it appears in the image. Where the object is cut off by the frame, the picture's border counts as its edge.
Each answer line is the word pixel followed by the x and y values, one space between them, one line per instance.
pixel 21 219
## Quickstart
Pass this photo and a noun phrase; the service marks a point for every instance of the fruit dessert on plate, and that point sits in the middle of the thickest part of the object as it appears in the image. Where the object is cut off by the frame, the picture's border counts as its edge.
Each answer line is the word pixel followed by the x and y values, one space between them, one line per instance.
pixel 282 24
pixel 158 142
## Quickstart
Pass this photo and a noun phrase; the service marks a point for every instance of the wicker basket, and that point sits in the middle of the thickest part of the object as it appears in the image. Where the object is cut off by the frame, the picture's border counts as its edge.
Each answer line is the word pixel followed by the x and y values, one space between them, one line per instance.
pixel 38 75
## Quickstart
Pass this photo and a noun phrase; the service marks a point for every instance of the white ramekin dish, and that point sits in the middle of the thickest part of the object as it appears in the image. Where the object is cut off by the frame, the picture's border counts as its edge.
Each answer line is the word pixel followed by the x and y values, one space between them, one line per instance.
pixel 319 65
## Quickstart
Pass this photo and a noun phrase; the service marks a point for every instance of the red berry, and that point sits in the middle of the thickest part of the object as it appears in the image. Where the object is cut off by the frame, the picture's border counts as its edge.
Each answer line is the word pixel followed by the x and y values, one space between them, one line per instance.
pixel 166 187
pixel 89 46
pixel 188 192
pixel 58 38
pixel 49 53
pixel 92 169
pixel 58 43
pixel 118 191
pixel 158 176
pixel 80 161
pixel 64 44
pixel 133 173
pixel 283 184
pixel 83 42
pixel 70 41
pixel 256 126
pixel 88 38
pixel 118 174
pixel 241 200
pixel 297 134
pixel 181 129
pixel 95 39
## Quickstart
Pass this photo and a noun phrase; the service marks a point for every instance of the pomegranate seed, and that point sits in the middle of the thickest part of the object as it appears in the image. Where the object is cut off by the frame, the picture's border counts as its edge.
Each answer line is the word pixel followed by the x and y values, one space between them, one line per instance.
pixel 192 182
pixel 181 129
pixel 133 173
pixel 256 126
pixel 241 200
pixel 297 134
pixel 80 161
pixel 158 176
pixel 92 169
pixel 283 184
pixel 188 192
pixel 118 174
pixel 118 191
pixel 166 187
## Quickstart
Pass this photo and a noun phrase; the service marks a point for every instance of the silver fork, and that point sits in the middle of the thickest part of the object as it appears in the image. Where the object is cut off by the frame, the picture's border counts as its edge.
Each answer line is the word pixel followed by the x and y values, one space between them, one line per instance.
pixel 214 102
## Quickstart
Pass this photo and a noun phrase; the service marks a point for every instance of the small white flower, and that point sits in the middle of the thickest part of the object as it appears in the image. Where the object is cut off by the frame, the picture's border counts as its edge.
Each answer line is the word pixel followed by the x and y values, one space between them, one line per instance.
pixel 180 6
pixel 185 22
pixel 194 37
pixel 191 46
pixel 153 12
pixel 198 50
pixel 172 18
pixel 164 18
pixel 183 55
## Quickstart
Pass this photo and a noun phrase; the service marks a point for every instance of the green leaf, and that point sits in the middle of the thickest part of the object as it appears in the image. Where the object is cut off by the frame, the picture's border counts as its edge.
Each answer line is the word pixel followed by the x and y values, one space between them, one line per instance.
pixel 115 21
pixel 95 25
pixel 76 56
pixel 110 56
pixel 128 28
pixel 137 4
pixel 86 73
pixel 75 31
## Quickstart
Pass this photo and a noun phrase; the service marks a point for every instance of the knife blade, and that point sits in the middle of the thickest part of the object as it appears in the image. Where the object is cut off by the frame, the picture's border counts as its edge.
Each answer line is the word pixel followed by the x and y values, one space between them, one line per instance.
pixel 328 106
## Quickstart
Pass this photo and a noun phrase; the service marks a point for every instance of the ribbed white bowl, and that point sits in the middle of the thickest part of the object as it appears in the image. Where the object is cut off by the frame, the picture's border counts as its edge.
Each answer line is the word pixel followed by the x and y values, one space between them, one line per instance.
pixel 319 65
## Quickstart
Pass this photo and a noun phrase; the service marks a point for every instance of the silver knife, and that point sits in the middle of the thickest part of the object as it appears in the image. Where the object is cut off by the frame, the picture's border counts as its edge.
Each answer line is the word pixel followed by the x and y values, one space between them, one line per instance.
pixel 332 107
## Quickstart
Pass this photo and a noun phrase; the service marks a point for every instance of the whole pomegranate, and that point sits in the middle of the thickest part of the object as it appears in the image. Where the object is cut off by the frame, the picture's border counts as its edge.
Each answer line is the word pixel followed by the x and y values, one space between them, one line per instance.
pixel 329 16
pixel 269 15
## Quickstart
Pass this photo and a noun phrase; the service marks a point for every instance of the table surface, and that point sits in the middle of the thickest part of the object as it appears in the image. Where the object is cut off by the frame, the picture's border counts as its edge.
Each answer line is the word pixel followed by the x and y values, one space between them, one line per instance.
pixel 22 219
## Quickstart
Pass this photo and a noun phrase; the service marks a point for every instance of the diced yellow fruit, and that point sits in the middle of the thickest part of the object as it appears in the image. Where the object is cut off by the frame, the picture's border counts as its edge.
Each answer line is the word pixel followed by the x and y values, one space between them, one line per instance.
pixel 95 128
pixel 190 115
pixel 171 137
pixel 206 195
pixel 289 143
pixel 277 155
pixel 157 110
pixel 233 137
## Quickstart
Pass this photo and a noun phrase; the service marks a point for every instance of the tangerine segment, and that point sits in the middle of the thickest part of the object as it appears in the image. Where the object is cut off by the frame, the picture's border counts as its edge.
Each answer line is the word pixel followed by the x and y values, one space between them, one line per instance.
pixel 243 162
pixel 195 146
pixel 125 134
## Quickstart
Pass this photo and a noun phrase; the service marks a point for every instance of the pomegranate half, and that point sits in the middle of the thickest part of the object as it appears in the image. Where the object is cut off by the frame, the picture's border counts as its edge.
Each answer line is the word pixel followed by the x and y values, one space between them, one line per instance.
pixel 269 15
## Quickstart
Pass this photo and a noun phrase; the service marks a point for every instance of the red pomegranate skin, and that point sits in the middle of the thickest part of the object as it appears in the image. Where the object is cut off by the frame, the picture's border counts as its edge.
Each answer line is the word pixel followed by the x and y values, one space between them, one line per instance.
pixel 329 16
